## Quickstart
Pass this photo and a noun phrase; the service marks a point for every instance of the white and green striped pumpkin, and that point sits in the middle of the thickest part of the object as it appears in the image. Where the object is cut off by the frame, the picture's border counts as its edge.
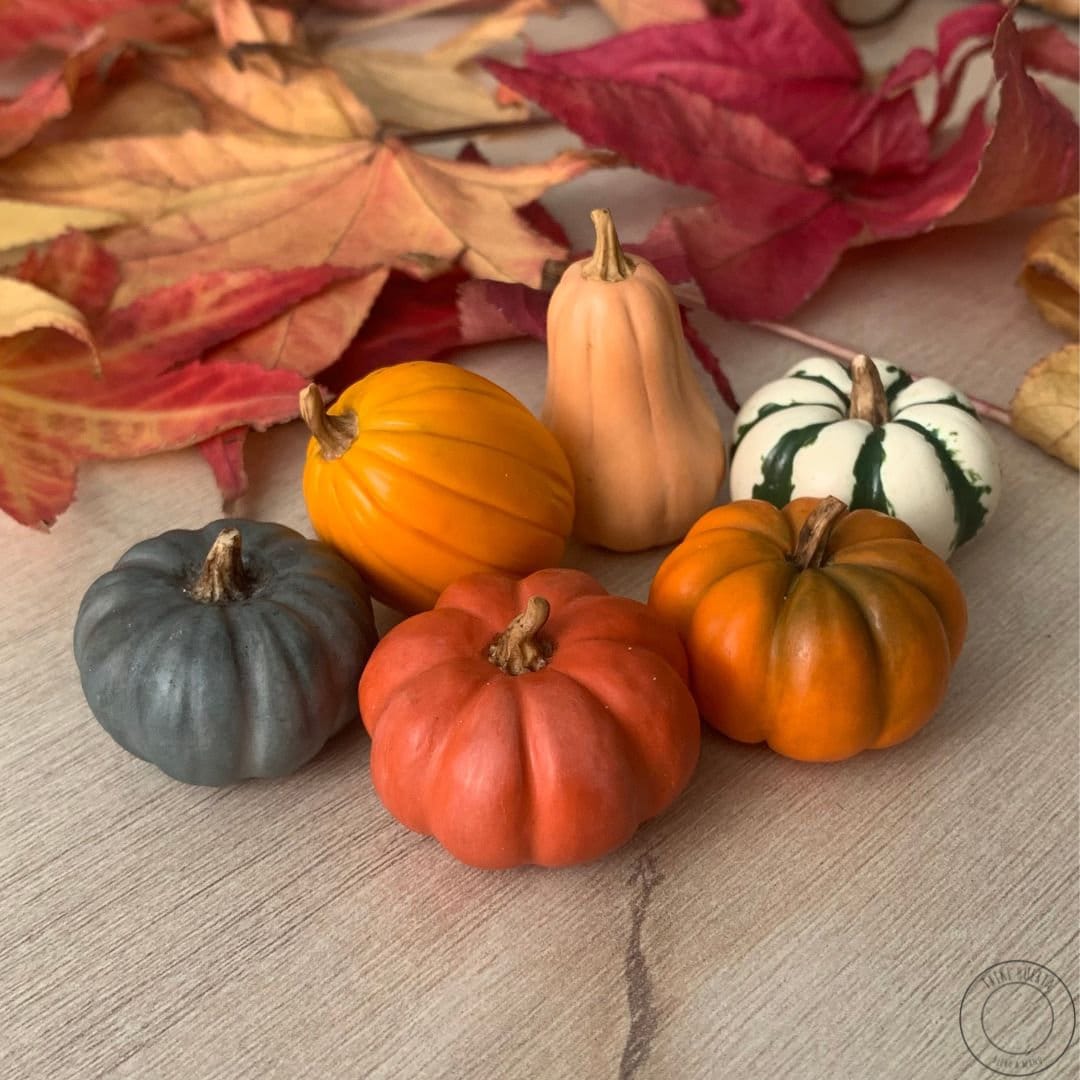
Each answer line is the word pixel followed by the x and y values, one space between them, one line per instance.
pixel 912 448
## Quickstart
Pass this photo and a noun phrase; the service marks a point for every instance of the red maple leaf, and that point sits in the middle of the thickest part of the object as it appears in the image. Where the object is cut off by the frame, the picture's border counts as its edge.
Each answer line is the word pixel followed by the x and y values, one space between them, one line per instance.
pixel 148 393
pixel 772 115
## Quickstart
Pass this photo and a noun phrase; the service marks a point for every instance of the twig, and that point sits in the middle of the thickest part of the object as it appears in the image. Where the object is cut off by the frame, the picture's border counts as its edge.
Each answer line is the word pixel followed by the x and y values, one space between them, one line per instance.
pixel 530 123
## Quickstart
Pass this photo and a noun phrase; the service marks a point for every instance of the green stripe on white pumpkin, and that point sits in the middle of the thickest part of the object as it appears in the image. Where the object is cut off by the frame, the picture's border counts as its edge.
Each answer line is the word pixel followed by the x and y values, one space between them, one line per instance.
pixel 928 461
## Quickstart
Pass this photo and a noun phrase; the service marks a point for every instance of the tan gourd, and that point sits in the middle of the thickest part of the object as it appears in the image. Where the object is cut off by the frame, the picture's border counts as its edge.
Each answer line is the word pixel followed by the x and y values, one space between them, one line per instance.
pixel 625 402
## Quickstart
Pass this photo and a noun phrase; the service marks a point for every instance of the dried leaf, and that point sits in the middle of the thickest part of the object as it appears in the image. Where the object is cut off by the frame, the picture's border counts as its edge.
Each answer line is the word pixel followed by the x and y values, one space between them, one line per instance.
pixel 1046 407
pixel 23 223
pixel 46 98
pixel 25 307
pixel 769 112
pixel 233 201
pixel 438 89
pixel 1051 272
pixel 55 412
pixel 305 101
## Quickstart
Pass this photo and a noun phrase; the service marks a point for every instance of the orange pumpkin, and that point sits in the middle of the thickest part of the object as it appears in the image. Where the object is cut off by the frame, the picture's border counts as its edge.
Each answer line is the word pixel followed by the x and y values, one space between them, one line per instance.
pixel 424 472
pixel 529 721
pixel 818 631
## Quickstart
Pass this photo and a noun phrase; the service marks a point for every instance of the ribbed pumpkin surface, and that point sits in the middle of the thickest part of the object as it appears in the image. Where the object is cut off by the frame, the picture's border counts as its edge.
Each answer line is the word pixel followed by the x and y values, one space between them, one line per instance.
pixel 448 475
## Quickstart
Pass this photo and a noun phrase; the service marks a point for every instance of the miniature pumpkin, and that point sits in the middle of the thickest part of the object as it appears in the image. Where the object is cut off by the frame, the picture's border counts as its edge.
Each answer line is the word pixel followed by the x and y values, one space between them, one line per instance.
pixel 529 721
pixel 225 652
pixel 820 632
pixel 625 402
pixel 877 439
pixel 422 473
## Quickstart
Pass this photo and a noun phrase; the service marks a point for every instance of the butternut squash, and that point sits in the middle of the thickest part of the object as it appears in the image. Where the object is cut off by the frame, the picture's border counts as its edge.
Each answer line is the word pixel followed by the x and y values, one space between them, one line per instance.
pixel 624 401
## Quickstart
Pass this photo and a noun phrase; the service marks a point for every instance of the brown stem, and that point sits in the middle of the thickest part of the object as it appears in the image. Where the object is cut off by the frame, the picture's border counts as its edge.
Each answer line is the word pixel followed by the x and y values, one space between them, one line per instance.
pixel 868 401
pixel 518 649
pixel 986 409
pixel 470 131
pixel 814 536
pixel 609 262
pixel 223 576
pixel 334 434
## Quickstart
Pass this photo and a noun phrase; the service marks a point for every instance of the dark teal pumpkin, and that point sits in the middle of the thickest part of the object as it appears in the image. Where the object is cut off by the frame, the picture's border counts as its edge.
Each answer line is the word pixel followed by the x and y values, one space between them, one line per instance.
pixel 225 652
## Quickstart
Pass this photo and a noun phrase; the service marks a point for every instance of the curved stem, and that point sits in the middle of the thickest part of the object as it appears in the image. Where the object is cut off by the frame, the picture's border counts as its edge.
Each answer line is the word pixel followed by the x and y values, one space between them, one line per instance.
pixel 609 262
pixel 868 400
pixel 334 434
pixel 986 409
pixel 223 576
pixel 518 649
pixel 809 553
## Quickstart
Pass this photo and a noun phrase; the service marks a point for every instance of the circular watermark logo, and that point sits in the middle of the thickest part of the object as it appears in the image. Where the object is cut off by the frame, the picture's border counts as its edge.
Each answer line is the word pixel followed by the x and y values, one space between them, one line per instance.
pixel 1017 1018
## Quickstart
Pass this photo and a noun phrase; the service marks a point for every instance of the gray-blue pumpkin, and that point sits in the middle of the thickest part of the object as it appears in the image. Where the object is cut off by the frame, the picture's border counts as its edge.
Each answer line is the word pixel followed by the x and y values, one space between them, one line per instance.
pixel 226 652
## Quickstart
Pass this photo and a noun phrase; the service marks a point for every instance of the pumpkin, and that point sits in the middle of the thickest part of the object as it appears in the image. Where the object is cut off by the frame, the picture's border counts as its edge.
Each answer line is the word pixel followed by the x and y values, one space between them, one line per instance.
pixel 818 631
pixel 876 438
pixel 625 402
pixel 422 473
pixel 529 721
pixel 225 652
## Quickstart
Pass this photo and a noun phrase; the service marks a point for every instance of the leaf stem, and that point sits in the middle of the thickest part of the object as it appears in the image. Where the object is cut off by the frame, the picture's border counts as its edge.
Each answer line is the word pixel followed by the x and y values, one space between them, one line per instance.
pixel 511 127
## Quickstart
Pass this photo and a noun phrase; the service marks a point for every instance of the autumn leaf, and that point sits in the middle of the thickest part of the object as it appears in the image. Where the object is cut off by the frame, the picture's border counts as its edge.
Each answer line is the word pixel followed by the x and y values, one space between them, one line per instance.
pixel 55 411
pixel 438 89
pixel 1051 272
pixel 46 98
pixel 1045 407
pixel 26 308
pixel 24 223
pixel 770 113
pixel 231 201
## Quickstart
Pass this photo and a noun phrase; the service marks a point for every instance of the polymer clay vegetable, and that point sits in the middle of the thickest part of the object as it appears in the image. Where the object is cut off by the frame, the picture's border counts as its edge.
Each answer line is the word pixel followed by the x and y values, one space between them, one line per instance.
pixel 225 652
pixel 529 721
pixel 422 473
pixel 624 400
pixel 818 631
pixel 876 438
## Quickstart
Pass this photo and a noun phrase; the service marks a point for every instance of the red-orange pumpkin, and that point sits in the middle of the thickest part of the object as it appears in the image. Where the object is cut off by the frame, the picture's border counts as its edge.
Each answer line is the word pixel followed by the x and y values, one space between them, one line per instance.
pixel 820 632
pixel 536 720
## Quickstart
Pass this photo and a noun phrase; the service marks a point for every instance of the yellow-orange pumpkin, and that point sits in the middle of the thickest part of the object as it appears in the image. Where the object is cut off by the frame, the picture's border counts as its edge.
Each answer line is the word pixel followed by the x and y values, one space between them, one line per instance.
pixel 424 472
pixel 820 632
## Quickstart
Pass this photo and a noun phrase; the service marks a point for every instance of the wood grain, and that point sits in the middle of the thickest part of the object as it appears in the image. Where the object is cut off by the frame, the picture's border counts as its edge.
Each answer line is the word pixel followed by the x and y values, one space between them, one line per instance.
pixel 782 920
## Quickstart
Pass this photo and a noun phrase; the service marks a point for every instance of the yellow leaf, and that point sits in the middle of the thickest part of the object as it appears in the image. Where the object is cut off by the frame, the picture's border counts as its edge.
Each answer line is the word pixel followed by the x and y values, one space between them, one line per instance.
pixel 27 222
pixel 440 88
pixel 302 101
pixel 25 308
pixel 1051 273
pixel 232 201
pixel 493 29
pixel 1046 407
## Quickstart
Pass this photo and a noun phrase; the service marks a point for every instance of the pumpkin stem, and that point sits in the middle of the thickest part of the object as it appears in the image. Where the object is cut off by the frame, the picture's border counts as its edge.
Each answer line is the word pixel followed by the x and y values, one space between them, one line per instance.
pixel 814 536
pixel 334 434
pixel 223 576
pixel 517 649
pixel 868 401
pixel 609 262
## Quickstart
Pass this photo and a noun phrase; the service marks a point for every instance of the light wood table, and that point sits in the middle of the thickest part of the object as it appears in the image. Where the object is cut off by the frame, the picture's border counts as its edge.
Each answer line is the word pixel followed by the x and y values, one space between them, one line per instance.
pixel 781 921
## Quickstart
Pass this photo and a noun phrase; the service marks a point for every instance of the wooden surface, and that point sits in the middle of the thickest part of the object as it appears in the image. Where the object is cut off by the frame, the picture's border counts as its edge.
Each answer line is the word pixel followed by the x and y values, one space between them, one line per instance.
pixel 782 920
